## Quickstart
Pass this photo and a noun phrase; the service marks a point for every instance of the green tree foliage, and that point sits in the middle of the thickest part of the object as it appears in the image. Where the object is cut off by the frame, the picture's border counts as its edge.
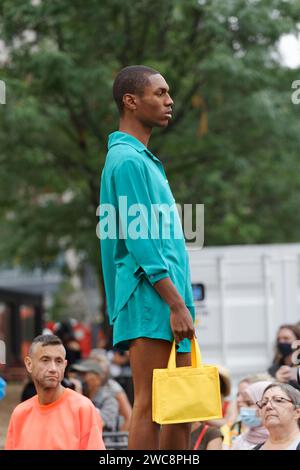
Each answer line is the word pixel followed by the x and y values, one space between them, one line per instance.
pixel 233 143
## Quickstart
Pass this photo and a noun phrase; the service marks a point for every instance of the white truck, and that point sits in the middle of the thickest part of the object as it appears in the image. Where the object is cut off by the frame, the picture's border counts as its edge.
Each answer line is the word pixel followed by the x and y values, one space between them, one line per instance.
pixel 242 295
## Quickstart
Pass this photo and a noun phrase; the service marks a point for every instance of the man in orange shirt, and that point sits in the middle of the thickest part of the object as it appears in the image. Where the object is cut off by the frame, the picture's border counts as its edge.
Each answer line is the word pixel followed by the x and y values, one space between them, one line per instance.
pixel 57 418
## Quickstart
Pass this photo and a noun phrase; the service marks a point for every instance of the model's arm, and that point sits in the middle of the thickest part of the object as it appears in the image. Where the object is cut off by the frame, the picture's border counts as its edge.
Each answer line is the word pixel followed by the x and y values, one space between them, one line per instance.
pixel 180 318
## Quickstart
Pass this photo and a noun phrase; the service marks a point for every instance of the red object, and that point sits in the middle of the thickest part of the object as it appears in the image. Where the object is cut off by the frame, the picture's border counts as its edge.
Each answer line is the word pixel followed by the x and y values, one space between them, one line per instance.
pixel 50 325
pixel 83 336
pixel 26 312
pixel 200 438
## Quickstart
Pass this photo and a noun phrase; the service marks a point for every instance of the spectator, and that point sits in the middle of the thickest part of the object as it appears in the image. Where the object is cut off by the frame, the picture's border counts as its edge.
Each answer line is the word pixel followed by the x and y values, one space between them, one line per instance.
pixel 249 415
pixel 57 418
pixel 283 367
pixel 280 412
pixel 206 437
pixel 225 387
pixel 96 378
pixel 234 422
pixel 117 391
pixel 235 427
pixel 121 371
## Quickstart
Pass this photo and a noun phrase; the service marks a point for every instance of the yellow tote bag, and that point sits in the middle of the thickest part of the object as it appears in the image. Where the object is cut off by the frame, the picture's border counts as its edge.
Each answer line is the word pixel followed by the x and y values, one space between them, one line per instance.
pixel 186 394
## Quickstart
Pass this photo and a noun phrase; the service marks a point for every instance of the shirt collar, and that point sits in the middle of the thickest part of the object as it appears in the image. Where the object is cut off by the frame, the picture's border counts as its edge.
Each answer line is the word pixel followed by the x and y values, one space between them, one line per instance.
pixel 118 137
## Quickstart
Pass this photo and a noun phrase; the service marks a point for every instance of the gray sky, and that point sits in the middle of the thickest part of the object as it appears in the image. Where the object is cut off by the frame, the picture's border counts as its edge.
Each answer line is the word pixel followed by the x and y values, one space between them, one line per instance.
pixel 289 49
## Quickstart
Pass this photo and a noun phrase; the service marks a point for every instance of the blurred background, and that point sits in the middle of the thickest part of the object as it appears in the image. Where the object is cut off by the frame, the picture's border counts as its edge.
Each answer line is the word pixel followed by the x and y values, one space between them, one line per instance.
pixel 233 145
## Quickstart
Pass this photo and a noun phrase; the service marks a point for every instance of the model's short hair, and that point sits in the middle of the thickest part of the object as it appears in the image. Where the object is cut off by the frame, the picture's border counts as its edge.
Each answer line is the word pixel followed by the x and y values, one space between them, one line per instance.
pixel 45 340
pixel 131 79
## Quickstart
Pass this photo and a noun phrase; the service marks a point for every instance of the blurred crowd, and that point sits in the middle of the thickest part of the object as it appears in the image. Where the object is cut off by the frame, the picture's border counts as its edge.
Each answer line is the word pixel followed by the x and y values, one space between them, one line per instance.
pixel 266 408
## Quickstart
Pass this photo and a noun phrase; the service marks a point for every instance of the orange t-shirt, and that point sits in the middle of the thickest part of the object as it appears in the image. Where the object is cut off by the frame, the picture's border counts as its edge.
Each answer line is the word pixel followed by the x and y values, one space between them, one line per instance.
pixel 69 423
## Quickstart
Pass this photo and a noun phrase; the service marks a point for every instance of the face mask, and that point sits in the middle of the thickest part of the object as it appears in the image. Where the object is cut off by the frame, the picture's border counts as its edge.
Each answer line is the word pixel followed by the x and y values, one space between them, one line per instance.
pixel 285 349
pixel 249 418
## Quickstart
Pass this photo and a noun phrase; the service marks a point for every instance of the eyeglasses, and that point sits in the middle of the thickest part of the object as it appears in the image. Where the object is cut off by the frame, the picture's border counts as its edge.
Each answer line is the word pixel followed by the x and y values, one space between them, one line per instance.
pixel 274 401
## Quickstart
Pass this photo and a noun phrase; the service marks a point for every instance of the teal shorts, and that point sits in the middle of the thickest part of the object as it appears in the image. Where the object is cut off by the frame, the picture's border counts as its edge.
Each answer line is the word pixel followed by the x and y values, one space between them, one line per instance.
pixel 145 315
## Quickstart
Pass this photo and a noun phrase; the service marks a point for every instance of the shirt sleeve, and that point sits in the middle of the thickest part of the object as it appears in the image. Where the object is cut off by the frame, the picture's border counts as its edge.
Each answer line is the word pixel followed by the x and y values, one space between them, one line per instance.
pixel 92 430
pixel 131 183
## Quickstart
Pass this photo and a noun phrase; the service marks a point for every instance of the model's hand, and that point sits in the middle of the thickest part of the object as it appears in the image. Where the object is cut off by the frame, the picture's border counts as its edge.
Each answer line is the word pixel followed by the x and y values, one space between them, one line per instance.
pixel 181 323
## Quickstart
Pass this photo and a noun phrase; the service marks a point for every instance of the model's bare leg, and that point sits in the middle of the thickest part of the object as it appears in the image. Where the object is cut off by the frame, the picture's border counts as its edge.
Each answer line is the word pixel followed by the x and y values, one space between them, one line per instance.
pixel 145 355
pixel 177 436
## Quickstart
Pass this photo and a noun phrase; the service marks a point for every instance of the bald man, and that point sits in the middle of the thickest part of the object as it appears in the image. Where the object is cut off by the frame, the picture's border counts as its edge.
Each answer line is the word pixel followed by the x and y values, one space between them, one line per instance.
pixel 57 418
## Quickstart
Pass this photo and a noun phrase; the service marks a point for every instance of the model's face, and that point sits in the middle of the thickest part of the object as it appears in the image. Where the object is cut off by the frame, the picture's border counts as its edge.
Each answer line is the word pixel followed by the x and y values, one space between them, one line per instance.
pixel 154 108
pixel 47 365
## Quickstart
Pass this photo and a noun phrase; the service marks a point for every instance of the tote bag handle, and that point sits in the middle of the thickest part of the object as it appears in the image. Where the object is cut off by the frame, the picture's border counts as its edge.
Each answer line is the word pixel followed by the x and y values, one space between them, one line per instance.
pixel 196 355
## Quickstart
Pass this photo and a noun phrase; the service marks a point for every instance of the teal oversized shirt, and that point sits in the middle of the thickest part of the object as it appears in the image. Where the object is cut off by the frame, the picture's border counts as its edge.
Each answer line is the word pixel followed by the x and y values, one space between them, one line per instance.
pixel 133 176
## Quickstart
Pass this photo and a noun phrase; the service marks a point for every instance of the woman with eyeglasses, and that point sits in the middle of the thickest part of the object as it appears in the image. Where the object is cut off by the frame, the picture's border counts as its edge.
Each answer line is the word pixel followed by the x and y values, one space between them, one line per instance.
pixel 280 412
pixel 255 431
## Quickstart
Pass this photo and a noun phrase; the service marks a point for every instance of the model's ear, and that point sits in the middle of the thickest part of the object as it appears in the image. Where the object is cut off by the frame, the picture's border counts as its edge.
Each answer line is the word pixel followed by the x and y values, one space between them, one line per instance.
pixel 129 101
pixel 28 364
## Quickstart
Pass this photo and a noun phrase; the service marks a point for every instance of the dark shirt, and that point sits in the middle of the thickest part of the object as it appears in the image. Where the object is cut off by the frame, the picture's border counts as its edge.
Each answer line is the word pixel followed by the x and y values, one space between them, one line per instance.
pixel 274 368
pixel 210 434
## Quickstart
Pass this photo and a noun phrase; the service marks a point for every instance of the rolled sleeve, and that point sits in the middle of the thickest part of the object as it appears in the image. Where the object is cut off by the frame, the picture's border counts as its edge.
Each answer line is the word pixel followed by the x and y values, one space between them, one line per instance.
pixel 154 278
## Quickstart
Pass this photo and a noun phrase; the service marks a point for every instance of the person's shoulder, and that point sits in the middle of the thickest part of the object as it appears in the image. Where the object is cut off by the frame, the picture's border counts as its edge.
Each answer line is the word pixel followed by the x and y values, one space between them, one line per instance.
pixel 115 386
pixel 257 446
pixel 123 159
pixel 103 393
pixel 77 400
pixel 122 152
pixel 24 407
pixel 273 369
